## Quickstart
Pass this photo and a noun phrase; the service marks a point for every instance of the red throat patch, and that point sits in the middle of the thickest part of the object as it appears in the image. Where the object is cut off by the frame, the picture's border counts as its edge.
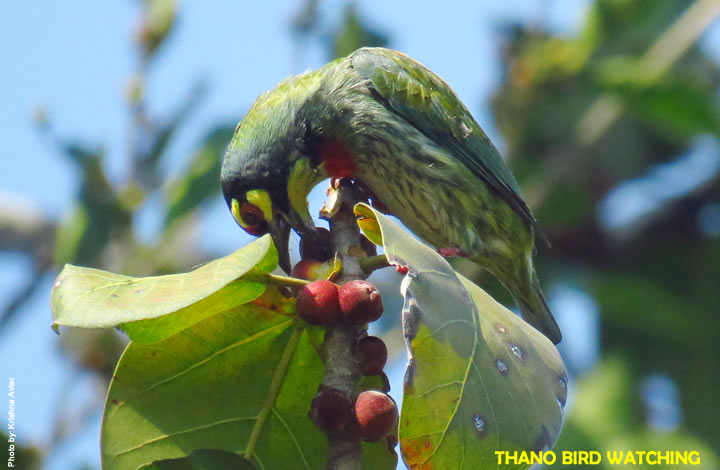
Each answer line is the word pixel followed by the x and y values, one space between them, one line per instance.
pixel 336 160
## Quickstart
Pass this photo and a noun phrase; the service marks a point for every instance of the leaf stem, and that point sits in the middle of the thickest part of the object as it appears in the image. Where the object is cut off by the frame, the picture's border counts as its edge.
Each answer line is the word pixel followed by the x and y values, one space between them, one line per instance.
pixel 371 263
pixel 285 281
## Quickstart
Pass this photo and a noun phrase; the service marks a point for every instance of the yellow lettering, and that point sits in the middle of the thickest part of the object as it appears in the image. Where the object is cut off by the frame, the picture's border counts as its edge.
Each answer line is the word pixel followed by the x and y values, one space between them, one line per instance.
pixel 511 458
pixel 694 458
pixel 536 458
pixel 629 459
pixel 614 457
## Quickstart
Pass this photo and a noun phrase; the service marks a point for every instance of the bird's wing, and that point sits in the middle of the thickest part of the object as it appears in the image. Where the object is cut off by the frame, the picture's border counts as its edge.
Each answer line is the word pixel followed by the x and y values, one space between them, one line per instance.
pixel 424 100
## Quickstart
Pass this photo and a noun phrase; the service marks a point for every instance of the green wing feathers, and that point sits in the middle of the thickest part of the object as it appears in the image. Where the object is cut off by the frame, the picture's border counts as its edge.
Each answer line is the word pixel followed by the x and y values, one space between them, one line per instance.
pixel 424 100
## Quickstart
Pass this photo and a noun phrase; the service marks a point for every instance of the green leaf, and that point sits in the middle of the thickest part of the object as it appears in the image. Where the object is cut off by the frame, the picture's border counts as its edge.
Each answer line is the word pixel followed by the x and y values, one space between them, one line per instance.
pixel 91 298
pixel 678 104
pixel 648 308
pixel 203 459
pixel 158 21
pixel 606 402
pixel 480 379
pixel 199 182
pixel 355 33
pixel 96 216
pixel 240 382
pixel 71 237
pixel 160 139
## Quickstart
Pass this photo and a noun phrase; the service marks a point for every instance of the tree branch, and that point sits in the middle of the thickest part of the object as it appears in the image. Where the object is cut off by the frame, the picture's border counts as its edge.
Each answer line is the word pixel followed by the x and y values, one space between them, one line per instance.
pixel 341 356
pixel 27 230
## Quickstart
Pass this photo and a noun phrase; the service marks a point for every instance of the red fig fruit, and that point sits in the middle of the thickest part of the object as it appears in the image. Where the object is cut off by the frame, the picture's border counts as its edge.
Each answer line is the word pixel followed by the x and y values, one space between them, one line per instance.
pixel 330 410
pixel 360 302
pixel 373 353
pixel 376 415
pixel 317 303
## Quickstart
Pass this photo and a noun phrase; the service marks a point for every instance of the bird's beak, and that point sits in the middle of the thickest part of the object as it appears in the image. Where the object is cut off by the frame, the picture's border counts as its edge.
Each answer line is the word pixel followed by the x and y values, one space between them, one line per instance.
pixel 280 233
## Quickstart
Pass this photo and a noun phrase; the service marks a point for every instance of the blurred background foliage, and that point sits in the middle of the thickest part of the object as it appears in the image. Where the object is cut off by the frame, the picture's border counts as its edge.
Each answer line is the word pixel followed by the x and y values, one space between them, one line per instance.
pixel 612 132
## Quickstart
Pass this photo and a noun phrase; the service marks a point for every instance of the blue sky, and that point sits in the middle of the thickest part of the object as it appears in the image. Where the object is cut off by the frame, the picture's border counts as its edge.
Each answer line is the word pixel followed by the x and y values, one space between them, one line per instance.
pixel 75 59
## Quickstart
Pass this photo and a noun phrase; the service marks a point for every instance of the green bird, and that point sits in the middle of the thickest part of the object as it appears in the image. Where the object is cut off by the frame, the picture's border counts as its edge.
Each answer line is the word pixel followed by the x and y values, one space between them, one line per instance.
pixel 385 120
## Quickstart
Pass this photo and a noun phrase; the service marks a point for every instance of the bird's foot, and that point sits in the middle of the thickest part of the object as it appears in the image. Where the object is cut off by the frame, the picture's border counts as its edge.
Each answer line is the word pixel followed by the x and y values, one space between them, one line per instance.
pixel 451 252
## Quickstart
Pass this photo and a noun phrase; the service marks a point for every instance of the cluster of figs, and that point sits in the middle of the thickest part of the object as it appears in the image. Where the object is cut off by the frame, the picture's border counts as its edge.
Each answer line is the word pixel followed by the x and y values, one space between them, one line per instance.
pixel 321 302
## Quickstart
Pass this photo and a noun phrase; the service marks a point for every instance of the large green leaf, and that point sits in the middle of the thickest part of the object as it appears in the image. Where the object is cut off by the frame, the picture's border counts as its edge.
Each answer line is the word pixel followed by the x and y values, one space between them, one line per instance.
pixel 203 459
pixel 240 382
pixel 91 298
pixel 480 379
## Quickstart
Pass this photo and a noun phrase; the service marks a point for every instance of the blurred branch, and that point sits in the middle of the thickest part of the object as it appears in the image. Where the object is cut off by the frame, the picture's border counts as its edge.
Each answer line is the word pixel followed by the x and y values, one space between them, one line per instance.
pixel 20 297
pixel 146 143
pixel 607 108
pixel 26 230
pixel 305 19
pixel 152 139
pixel 592 245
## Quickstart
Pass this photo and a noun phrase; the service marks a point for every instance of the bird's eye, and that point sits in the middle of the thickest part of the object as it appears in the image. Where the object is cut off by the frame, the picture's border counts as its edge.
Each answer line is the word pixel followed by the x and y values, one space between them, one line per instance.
pixel 253 219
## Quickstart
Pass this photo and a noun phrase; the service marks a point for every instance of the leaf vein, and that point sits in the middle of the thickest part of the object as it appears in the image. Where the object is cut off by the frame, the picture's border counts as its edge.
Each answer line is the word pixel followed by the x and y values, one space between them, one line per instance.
pixel 215 354
pixel 292 436
pixel 438 387
pixel 185 431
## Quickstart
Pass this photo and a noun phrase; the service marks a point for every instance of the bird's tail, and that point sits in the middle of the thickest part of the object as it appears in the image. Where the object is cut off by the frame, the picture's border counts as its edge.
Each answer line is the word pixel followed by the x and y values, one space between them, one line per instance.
pixel 536 312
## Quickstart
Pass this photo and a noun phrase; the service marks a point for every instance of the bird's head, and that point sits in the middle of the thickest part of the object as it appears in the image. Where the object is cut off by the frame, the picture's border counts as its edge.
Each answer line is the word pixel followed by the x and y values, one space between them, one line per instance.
pixel 267 172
